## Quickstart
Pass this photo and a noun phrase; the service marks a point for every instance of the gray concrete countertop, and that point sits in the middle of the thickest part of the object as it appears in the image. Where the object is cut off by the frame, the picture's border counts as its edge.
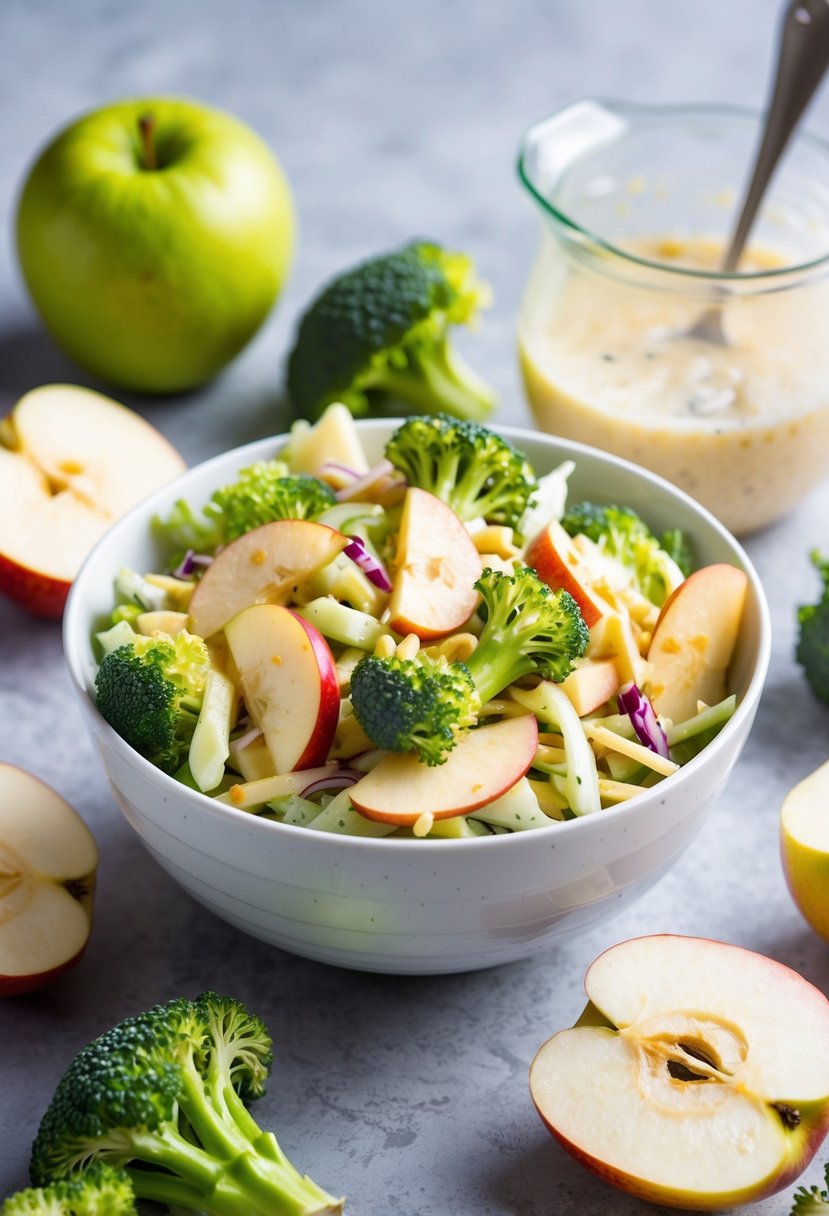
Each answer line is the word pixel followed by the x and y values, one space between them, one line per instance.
pixel 409 1095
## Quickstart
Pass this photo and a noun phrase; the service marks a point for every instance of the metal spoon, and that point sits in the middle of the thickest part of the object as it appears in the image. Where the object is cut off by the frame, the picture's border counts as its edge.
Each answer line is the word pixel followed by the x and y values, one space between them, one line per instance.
pixel 803 57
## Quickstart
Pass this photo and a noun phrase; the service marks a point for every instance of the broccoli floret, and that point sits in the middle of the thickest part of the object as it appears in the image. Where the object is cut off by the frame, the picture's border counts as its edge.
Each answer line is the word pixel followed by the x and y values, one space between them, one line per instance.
pixel 528 629
pixel 162 1096
pixel 471 468
pixel 413 705
pixel 100 1190
pixel 151 690
pixel 624 535
pixel 813 642
pixel 676 544
pixel 262 493
pixel 408 705
pixel 811 1202
pixel 382 330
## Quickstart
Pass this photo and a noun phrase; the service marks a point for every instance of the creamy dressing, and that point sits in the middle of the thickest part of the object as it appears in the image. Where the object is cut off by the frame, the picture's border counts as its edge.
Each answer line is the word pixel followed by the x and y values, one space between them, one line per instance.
pixel 743 427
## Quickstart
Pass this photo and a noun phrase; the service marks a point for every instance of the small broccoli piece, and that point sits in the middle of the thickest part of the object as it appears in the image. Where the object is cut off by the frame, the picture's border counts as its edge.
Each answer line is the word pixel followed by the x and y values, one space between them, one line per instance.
pixel 413 705
pixel 676 544
pixel 811 1202
pixel 528 630
pixel 382 329
pixel 100 1190
pixel 262 493
pixel 467 465
pixel 624 535
pixel 151 690
pixel 162 1096
pixel 813 642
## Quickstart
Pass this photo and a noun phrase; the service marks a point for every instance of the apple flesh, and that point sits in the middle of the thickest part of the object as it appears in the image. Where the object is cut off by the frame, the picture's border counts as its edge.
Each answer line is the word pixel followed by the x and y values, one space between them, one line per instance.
pixel 261 567
pixel 48 863
pixel 591 684
pixel 804 847
pixel 290 682
pixel 71 463
pixel 558 563
pixel 693 640
pixel 435 569
pixel 698 1076
pixel 154 236
pixel 484 764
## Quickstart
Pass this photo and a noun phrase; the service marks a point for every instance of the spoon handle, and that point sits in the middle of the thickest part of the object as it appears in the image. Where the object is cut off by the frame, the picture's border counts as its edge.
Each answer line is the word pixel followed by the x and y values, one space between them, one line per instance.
pixel 803 58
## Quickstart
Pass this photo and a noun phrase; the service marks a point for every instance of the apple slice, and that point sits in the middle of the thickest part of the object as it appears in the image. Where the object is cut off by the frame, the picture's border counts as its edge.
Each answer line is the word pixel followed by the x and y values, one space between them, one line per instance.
pixel 71 463
pixel 804 847
pixel 290 682
pixel 707 1086
pixel 484 765
pixel 261 567
pixel 48 862
pixel 558 563
pixel 693 640
pixel 436 567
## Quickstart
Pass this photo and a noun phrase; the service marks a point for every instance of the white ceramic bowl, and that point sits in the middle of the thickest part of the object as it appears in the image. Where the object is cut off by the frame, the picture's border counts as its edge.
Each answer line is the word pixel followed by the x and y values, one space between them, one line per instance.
pixel 419 906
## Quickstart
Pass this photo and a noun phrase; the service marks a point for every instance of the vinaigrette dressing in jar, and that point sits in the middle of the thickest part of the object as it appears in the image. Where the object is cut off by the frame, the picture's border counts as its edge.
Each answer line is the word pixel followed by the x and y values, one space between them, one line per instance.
pixel 603 332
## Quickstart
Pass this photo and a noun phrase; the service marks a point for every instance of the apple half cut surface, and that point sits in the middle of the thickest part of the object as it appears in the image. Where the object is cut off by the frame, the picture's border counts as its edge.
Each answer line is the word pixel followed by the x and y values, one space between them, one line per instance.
pixel 698 1076
pixel 48 862
pixel 71 462
pixel 261 567
pixel 289 677
pixel 484 764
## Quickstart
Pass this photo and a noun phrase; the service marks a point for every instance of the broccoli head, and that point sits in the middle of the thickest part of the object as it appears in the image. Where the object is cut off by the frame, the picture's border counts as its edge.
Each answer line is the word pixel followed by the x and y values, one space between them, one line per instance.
pixel 100 1190
pixel 812 1202
pixel 528 629
pixel 413 705
pixel 261 493
pixel 475 471
pixel 382 329
pixel 624 535
pixel 151 691
pixel 161 1096
pixel 813 641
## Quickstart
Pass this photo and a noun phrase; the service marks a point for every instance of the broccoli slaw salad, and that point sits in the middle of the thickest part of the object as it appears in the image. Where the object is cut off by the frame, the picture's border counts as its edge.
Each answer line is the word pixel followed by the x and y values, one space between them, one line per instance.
pixel 438 646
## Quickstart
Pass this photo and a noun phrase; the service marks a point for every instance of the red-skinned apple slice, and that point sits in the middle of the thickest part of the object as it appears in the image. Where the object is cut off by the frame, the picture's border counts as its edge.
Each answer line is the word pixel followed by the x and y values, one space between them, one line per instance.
pixel 436 567
pixel 261 567
pixel 697 1077
pixel 558 563
pixel 48 862
pixel 290 682
pixel 484 764
pixel 71 463
pixel 693 640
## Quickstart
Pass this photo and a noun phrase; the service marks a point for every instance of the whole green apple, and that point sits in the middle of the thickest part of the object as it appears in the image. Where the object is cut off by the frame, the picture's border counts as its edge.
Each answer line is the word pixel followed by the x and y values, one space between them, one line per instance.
pixel 154 236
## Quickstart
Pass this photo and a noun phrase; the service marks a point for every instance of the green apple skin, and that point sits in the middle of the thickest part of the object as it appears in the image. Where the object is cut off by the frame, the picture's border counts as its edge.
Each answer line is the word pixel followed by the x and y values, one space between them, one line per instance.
pixel 153 279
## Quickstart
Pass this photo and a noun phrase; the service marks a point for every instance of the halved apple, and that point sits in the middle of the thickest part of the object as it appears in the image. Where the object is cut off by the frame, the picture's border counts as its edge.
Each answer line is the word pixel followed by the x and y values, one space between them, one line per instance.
pixel 436 567
pixel 804 846
pixel 261 567
pixel 558 563
pixel 698 1076
pixel 484 764
pixel 289 678
pixel 71 463
pixel 693 640
pixel 48 863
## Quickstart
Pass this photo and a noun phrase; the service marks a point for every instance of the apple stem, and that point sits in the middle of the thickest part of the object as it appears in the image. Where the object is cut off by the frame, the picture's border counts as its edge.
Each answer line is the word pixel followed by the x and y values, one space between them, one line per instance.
pixel 146 126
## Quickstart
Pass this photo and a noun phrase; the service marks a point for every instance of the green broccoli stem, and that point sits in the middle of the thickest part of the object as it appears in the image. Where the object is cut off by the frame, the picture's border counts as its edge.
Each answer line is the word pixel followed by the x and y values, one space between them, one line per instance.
pixel 436 379
pixel 497 662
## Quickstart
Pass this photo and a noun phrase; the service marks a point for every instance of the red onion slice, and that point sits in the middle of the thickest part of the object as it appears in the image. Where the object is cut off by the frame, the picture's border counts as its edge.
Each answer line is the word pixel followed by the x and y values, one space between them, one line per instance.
pixel 334 467
pixel 372 568
pixel 246 739
pixel 185 567
pixel 634 703
pixel 384 469
pixel 337 781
